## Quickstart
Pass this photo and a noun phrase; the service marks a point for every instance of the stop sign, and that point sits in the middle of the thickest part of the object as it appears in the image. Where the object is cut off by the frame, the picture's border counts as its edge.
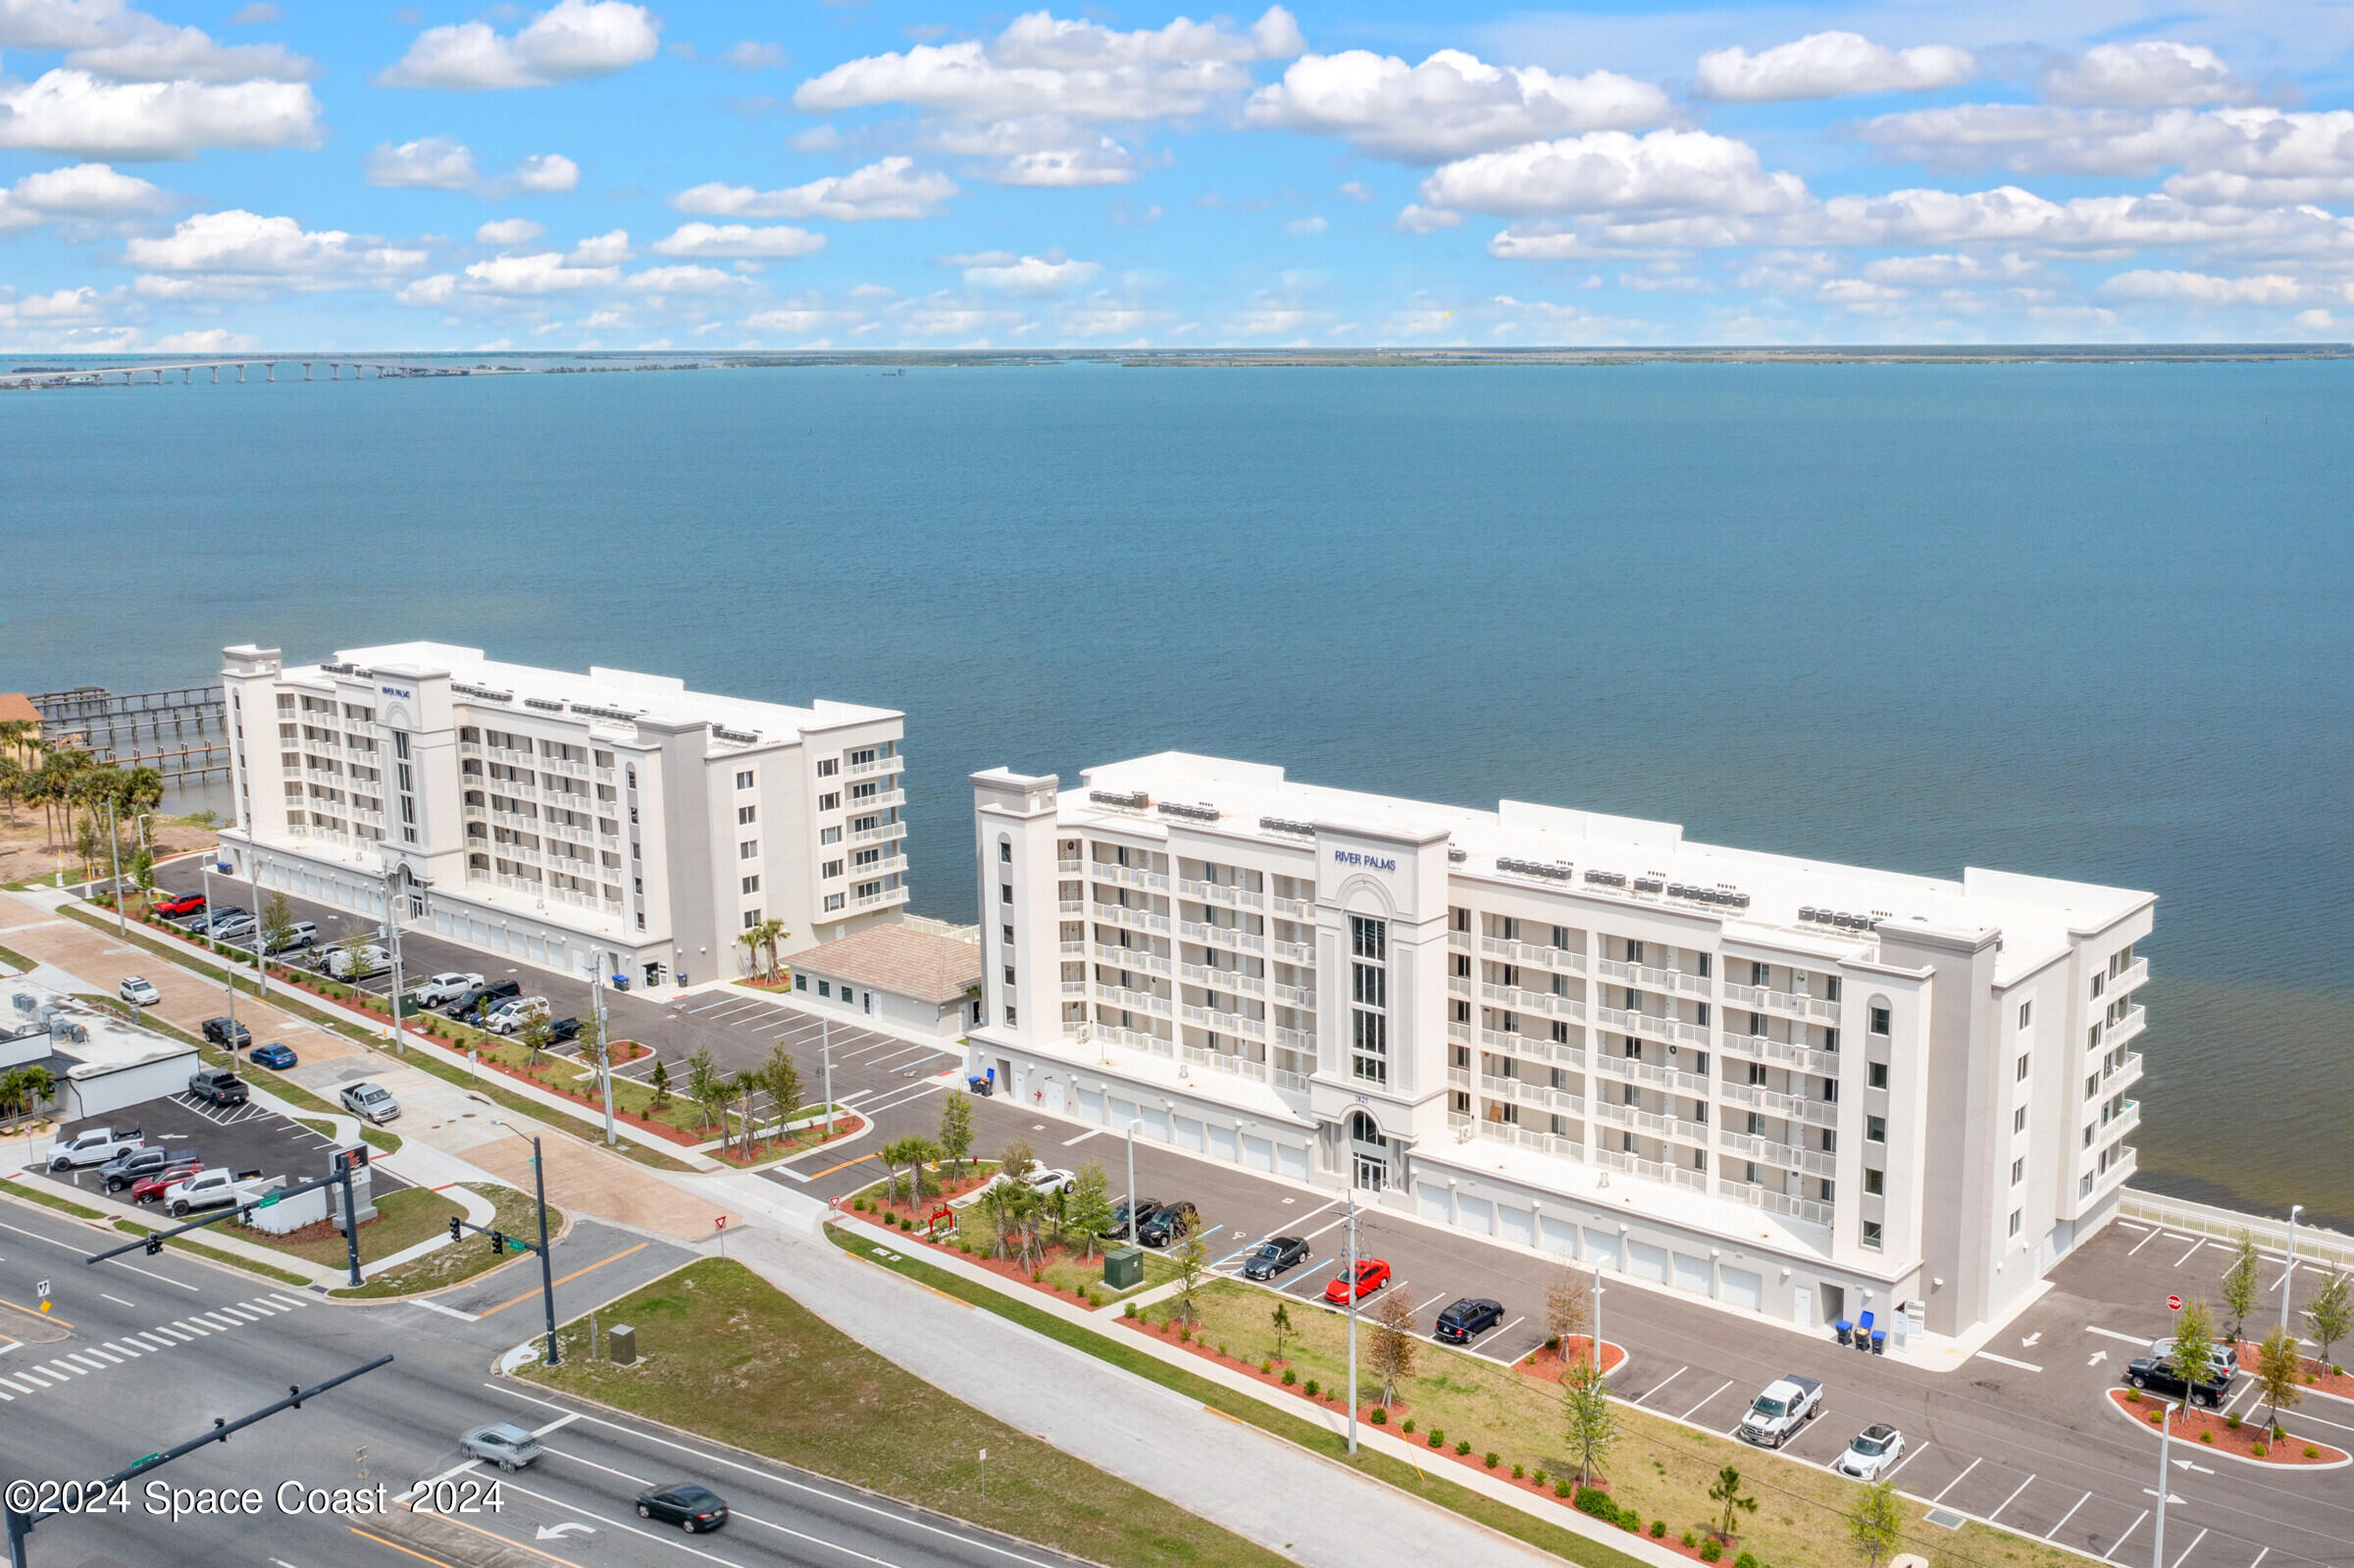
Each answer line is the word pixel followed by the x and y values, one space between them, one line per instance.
pixel 2173 1303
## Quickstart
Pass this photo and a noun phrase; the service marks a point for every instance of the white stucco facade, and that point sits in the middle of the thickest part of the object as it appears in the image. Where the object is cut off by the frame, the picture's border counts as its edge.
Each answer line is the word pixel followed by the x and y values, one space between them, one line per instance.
pixel 550 815
pixel 1800 1088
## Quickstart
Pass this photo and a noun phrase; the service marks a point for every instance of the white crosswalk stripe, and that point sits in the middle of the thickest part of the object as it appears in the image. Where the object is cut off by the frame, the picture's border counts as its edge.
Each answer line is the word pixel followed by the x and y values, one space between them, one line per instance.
pixel 93 1358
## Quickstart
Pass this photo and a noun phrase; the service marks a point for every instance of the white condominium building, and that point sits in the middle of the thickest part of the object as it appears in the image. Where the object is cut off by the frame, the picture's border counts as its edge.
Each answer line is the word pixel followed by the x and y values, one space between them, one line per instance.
pixel 1805 1090
pixel 552 816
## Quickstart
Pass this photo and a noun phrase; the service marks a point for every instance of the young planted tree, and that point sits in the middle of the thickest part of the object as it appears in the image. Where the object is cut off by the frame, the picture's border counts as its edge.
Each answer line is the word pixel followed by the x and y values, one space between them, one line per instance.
pixel 1877 1524
pixel 919 1151
pixel 705 1083
pixel 1593 1429
pixel 781 1081
pixel 2242 1282
pixel 2330 1317
pixel 1394 1341
pixel 2279 1372
pixel 1192 1258
pixel 1016 1159
pixel 1281 1320
pixel 142 873
pixel 957 1125
pixel 537 1035
pixel 659 1082
pixel 1088 1213
pixel 1569 1307
pixel 749 940
pixel 1727 1491
pixel 278 922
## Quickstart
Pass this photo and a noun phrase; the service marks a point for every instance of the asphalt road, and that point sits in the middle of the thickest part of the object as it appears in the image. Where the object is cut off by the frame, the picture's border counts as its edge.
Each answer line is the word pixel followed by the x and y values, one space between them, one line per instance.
pixel 145 1353
pixel 2020 1436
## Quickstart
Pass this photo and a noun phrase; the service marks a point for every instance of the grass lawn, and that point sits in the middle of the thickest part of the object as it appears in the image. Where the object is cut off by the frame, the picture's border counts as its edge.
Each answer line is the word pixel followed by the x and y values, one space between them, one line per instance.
pixel 217 1256
pixel 723 1353
pixel 1660 1467
pixel 49 1200
pixel 402 1219
pixel 14 959
pixel 374 1137
pixel 1066 1267
pixel 518 1215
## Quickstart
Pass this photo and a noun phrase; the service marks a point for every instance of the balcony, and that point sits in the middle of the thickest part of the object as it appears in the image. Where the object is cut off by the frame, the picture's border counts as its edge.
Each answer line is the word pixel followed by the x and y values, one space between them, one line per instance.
pixel 1135 1040
pixel 1075 989
pixel 1297 1083
pixel 1825 1063
pixel 889 895
pixel 862 770
pixel 1567 1149
pixel 1774 1202
pixel 1070 868
pixel 1787 1156
pixel 2126 1027
pixel 470 748
pixel 1129 958
pixel 2128 1118
pixel 2134 974
pixel 1459 1077
pixel 1219 892
pixel 1294 908
pixel 883 834
pixel 1501 1088
pixel 1133 919
pixel 1221 1020
pixel 2120 1167
pixel 1225 936
pixel 1520 953
pixel 1134 1001
pixel 1694 984
pixel 1129 876
pixel 1296 952
pixel 1293 1040
pixel 1233 979
pixel 2123 1075
pixel 1225 1062
pixel 1295 996
pixel 1461 940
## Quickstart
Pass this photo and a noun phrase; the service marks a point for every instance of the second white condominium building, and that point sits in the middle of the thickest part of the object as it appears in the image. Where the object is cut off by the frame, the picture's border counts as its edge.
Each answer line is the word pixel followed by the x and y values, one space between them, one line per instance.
pixel 1806 1090
pixel 550 815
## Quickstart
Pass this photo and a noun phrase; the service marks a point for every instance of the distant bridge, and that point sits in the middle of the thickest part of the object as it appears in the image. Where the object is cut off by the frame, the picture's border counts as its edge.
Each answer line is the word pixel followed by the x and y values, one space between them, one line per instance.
pixel 131 374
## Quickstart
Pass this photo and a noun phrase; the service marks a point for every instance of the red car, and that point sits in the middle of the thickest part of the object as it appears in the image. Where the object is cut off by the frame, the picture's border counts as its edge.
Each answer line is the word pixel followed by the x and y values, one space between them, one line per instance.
pixel 177 904
pixel 148 1189
pixel 1371 1275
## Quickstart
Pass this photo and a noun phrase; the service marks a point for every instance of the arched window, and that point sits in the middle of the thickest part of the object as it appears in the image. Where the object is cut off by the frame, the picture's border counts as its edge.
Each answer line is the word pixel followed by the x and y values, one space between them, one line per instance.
pixel 1362 1128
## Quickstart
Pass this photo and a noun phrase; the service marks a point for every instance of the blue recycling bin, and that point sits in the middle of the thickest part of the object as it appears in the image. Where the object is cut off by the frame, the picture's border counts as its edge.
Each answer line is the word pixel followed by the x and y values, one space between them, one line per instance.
pixel 1879 1342
pixel 1847 1331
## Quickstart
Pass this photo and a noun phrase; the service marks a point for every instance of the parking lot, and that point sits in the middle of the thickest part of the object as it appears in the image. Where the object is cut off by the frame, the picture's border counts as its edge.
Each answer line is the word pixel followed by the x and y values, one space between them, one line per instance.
pixel 236 1137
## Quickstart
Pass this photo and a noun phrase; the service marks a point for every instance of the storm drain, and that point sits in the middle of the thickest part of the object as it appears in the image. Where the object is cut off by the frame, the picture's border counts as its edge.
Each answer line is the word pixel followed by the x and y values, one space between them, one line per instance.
pixel 1945 1519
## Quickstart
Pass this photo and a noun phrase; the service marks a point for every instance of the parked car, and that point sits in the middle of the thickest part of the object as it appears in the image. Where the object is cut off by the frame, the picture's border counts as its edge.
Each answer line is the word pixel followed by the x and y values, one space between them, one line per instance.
pixel 358 961
pixel 1046 1183
pixel 125 1169
pixel 1274 1255
pixel 503 1443
pixel 475 998
pixel 2219 1353
pixel 1143 1208
pixel 175 906
pixel 1786 1404
pixel 439 990
pixel 148 1189
pixel 516 1014
pixel 1371 1275
pixel 1873 1452
pixel 218 1086
pixel 138 990
pixel 2160 1378
pixel 222 1032
pixel 302 933
pixel 1170 1222
pixel 212 1190
pixel 371 1102
pixel 205 924
pixel 694 1508
pixel 1467 1317
pixel 227 928
pixel 275 1056
pixel 563 1029
pixel 92 1145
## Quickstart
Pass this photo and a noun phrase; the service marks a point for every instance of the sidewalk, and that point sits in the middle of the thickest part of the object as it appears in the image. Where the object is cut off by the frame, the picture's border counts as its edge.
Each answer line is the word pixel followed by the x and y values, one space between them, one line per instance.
pixel 1311 1509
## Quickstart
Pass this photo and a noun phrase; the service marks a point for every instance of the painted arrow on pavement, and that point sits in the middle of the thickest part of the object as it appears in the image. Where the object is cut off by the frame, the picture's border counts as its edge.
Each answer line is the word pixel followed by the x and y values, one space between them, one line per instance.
pixel 559 1531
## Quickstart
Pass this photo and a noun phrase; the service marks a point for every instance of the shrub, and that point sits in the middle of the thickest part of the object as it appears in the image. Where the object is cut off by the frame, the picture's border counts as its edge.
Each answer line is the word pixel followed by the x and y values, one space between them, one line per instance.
pixel 1464 1447
pixel 1095 1299
pixel 1289 1376
pixel 1266 1364
pixel 1710 1550
pixel 1131 1312
pixel 2259 1450
pixel 1747 1559
pixel 1659 1530
pixel 1221 1350
pixel 1592 1501
pixel 2280 1433
pixel 2312 1452
pixel 1438 1439
pixel 2336 1371
pixel 2157 1418
pixel 1538 1478
pixel 1312 1388
pixel 2207 1438
pixel 2233 1421
pixel 1517 1473
pixel 1552 1341
pixel 1690 1539
pixel 1408 1428
pixel 2132 1396
pixel 1380 1417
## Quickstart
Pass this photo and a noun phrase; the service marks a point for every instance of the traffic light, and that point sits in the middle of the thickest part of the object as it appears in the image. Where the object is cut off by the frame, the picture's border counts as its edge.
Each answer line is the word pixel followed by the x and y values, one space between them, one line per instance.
pixel 154 1243
pixel 498 1243
pixel 457 1229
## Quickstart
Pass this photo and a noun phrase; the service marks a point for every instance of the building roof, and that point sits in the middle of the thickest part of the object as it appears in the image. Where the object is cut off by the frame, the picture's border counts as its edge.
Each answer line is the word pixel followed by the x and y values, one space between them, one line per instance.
pixel 899 959
pixel 17 705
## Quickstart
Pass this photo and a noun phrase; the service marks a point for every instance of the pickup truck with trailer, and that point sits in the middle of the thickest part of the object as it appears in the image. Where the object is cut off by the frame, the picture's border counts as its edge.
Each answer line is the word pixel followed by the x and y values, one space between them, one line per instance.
pixel 92 1145
pixel 1786 1404
pixel 212 1190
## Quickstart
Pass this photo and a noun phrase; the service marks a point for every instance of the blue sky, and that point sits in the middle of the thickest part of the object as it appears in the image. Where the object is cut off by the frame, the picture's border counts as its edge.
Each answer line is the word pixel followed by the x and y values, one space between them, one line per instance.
pixel 597 174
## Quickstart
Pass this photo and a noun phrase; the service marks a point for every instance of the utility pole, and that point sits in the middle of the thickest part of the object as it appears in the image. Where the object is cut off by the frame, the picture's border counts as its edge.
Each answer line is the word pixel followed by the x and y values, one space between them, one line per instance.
pixel 825 1047
pixel 253 873
pixel 114 843
pixel 604 1042
pixel 2290 1273
pixel 229 973
pixel 1350 1277
pixel 1132 1127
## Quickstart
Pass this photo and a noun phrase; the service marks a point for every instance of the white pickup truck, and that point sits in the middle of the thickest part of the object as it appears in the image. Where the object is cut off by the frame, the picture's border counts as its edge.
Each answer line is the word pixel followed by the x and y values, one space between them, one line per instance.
pixel 214 1189
pixel 1787 1403
pixel 93 1145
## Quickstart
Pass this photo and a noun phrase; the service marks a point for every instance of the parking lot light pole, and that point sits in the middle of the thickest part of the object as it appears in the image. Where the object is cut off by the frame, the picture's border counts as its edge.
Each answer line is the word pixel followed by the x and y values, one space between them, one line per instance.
pixel 2166 1428
pixel 825 1053
pixel 229 973
pixel 392 935
pixel 604 1042
pixel 1598 1315
pixel 114 843
pixel 1350 1277
pixel 2289 1273
pixel 253 873
pixel 1132 1127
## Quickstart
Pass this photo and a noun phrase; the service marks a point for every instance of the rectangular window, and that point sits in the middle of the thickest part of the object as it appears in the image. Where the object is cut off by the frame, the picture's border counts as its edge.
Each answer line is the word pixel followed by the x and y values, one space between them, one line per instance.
pixel 1760 974
pixel 825 988
pixel 1879 1020
pixel 1875 1183
pixel 2018 1119
pixel 2019 1170
pixel 1875 1129
pixel 832 868
pixel 745 814
pixel 2027 1013
pixel 1871 1235
pixel 1004 892
pixel 751 918
pixel 830 801
pixel 1008 973
pixel 1830 988
pixel 828 766
pixel 800 983
pixel 834 901
pixel 751 885
pixel 829 836
pixel 1876 1075
pixel 749 849
pixel 2017 1217
pixel 2023 1064
pixel 1368 938
pixel 743 780
pixel 868 857
pixel 1369 982
pixel 1006 853
pixel 1010 1019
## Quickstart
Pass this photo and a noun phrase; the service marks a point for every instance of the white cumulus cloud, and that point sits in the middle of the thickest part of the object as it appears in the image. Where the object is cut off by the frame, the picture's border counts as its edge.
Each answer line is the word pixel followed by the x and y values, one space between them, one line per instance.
pixel 143 49
pixel 1612 171
pixel 2148 73
pixel 2201 288
pixel 88 191
pixel 1827 65
pixel 601 250
pixel 574 38
pixel 232 251
pixel 431 162
pixel 1450 105
pixel 2239 156
pixel 508 231
pixel 1051 274
pixel 206 340
pixel 74 112
pixel 739 239
pixel 892 187
pixel 1038 150
pixel 543 273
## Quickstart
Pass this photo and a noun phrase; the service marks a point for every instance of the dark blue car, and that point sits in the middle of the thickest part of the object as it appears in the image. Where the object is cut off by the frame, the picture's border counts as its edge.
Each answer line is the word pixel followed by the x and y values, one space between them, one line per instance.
pixel 272 1055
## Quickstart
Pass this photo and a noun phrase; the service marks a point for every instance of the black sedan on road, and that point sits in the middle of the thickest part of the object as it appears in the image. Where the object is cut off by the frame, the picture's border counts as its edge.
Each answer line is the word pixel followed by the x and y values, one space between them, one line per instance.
pixel 685 1503
pixel 1274 1255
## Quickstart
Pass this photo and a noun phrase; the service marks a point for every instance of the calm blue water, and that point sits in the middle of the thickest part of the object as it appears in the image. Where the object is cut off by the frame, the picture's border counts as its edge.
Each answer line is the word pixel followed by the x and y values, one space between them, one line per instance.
pixel 2092 622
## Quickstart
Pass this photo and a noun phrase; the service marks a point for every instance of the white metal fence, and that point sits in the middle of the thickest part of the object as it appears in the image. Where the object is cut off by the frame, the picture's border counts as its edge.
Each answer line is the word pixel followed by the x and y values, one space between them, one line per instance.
pixel 2314 1245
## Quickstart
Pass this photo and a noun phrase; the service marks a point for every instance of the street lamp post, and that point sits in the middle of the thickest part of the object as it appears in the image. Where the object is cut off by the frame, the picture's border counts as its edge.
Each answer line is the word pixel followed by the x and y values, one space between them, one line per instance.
pixel 604 1042
pixel 1598 1316
pixel 547 1283
pixel 1132 1127
pixel 114 843
pixel 229 973
pixel 825 1051
pixel 2165 1427
pixel 392 868
pixel 1351 1276
pixel 253 875
pixel 2290 1273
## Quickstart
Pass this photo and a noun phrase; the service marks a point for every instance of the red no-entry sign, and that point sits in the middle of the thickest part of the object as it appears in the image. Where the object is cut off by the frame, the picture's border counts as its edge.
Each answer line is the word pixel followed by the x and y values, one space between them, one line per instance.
pixel 2173 1303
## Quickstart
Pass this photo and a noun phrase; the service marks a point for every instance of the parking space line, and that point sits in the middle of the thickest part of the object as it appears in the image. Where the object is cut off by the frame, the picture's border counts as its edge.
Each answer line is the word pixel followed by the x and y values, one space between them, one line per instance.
pixel 1419 1308
pixel 2024 1366
pixel 1657 1387
pixel 2187 1256
pixel 1719 1388
pixel 2193 1546
pixel 2054 1532
pixel 1073 1143
pixel 1958 1479
pixel 2112 1334
pixel 2110 1554
pixel 2261 1555
pixel 2008 1502
pixel 1905 1460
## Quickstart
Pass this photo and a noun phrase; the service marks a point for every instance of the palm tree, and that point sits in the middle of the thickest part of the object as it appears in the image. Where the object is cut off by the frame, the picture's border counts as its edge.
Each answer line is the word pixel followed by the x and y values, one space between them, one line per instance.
pixel 21 737
pixel 771 932
pixel 749 942
pixel 12 777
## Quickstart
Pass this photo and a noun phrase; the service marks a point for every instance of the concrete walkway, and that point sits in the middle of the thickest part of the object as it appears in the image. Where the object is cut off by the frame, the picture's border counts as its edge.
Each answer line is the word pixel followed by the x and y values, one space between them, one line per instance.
pixel 1309 1509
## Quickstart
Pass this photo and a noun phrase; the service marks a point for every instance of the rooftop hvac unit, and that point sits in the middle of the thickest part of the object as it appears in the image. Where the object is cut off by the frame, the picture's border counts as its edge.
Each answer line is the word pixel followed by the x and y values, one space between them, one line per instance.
pixel 1649 885
pixel 1303 829
pixel 1172 808
pixel 1454 854
pixel 1132 800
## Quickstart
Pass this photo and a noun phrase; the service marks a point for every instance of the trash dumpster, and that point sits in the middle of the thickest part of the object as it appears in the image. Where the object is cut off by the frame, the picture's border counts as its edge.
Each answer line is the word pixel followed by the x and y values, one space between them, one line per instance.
pixel 1124 1268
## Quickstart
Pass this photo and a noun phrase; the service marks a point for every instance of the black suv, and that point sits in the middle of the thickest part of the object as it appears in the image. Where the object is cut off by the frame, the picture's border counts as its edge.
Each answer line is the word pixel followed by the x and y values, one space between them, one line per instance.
pixel 1274 1255
pixel 2160 1378
pixel 221 1031
pixel 1145 1208
pixel 1168 1222
pixel 1468 1317
pixel 218 1086
pixel 482 995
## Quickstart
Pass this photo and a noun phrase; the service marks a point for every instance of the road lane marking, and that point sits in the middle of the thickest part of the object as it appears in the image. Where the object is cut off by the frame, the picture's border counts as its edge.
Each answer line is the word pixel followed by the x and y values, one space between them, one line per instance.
pixel 668 1540
pixel 1662 1384
pixel 564 1420
pixel 843 1166
pixel 2112 1334
pixel 2008 1502
pixel 125 1348
pixel 115 1299
pixel 1720 1388
pixel 33 1312
pixel 2054 1532
pixel 1957 1481
pixel 534 1293
pixel 1072 1143
pixel 103 1355
pixel 2024 1366
pixel 446 1311
pixel 194 1328
pixel 438 1562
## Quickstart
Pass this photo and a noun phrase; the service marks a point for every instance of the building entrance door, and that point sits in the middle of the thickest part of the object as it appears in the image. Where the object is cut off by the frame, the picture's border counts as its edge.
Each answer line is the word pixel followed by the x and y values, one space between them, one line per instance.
pixel 1372 1172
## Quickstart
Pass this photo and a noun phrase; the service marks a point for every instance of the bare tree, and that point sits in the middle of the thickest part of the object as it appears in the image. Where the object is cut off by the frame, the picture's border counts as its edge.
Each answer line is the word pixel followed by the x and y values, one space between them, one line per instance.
pixel 1394 1341
pixel 1569 1307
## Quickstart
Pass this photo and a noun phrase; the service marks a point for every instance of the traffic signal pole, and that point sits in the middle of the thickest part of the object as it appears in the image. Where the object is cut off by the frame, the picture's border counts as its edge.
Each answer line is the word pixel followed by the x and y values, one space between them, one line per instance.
pixel 500 1240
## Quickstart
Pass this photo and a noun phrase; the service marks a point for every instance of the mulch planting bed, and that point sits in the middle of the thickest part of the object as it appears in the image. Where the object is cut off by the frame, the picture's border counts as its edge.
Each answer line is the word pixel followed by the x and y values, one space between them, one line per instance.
pixel 1546 1362
pixel 2204 1429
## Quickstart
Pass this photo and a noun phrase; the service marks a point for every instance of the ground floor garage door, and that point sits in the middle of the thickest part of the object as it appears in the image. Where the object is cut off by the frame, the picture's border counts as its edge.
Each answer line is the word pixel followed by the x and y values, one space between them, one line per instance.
pixel 1603 1247
pixel 1259 1152
pixel 1157 1122
pixel 1188 1133
pixel 1292 1161
pixel 1559 1235
pixel 1692 1274
pixel 1476 1215
pixel 1222 1144
pixel 1742 1289
pixel 1647 1262
pixel 1517 1225
pixel 1123 1112
pixel 1090 1105
pixel 1434 1202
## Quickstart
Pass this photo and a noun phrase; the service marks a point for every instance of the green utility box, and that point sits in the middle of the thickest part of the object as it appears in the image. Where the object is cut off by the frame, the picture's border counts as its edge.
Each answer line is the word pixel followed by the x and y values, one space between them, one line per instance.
pixel 1124 1268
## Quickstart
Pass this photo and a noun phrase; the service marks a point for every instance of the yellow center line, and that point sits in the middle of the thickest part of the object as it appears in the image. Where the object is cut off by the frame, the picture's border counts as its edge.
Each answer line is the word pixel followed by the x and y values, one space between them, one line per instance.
pixel 34 1312
pixel 843 1166
pixel 573 1275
